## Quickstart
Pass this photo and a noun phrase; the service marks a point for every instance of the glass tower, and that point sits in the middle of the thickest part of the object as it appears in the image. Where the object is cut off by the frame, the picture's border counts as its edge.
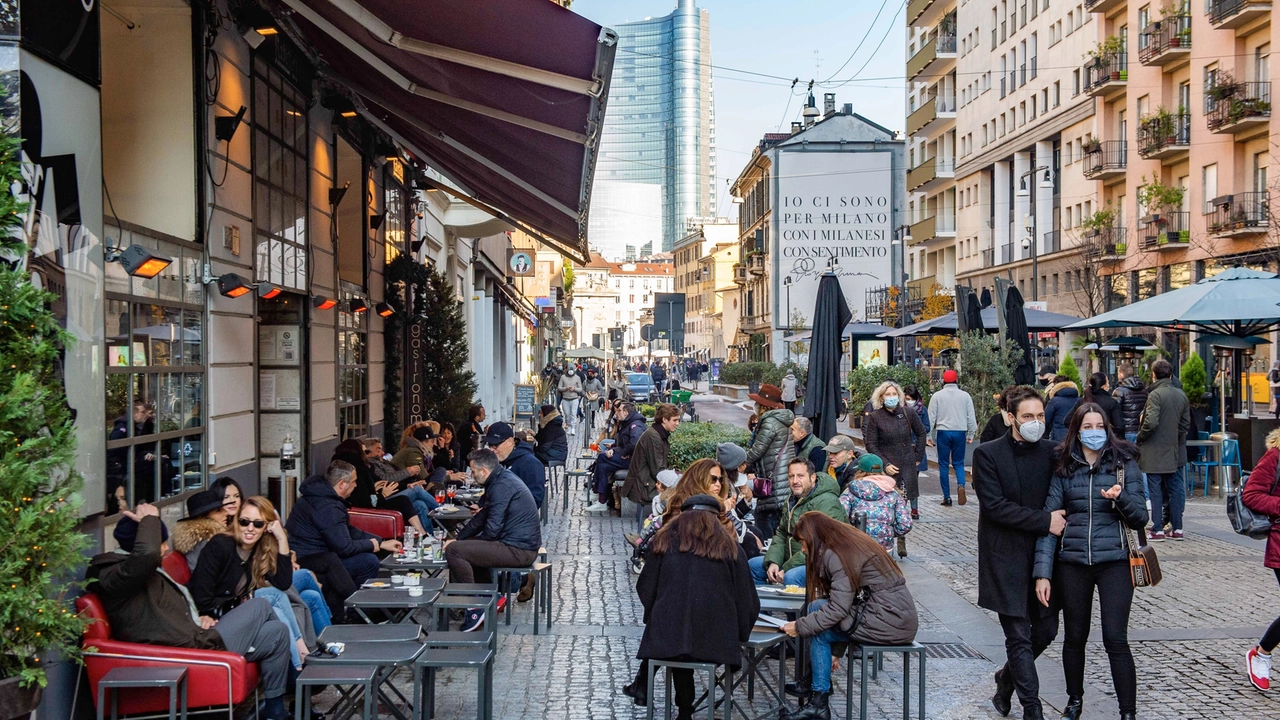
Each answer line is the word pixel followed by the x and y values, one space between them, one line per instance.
pixel 657 161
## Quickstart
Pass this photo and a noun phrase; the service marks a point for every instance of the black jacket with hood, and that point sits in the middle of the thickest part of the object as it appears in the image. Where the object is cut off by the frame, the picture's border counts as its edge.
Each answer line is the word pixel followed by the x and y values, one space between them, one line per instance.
pixel 1132 396
pixel 318 523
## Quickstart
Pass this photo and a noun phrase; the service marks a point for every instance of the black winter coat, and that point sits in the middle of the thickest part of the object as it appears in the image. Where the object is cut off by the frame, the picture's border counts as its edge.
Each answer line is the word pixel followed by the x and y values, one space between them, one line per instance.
pixel 508 514
pixel 897 436
pixel 1012 481
pixel 1111 407
pixel 629 432
pixel 1132 396
pixel 552 443
pixel 1094 534
pixel 994 428
pixel 1057 412
pixel 696 606
pixel 318 523
pixel 214 581
pixel 526 466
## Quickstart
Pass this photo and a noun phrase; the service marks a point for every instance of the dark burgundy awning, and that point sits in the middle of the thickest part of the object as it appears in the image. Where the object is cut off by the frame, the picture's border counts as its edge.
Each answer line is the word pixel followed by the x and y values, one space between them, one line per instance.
pixel 504 97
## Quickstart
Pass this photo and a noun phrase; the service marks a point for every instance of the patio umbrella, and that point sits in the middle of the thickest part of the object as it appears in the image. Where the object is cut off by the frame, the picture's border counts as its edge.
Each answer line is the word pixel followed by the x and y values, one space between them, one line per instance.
pixel 1037 321
pixel 830 315
pixel 1015 320
pixel 985 300
pixel 1239 302
pixel 968 313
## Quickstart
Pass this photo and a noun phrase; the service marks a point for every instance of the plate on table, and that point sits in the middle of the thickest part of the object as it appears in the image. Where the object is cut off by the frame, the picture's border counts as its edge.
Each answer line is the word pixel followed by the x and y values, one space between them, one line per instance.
pixel 376 584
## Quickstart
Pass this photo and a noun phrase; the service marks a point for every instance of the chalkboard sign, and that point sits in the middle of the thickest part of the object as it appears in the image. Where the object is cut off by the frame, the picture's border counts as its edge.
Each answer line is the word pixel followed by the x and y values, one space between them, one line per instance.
pixel 526 398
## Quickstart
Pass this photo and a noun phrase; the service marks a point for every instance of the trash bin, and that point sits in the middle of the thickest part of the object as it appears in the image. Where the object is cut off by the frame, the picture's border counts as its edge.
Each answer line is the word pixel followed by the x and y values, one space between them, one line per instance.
pixel 681 396
pixel 1228 475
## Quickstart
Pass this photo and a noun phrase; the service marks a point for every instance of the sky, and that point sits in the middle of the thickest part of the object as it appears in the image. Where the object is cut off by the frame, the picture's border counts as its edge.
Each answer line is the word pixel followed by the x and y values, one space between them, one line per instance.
pixel 805 40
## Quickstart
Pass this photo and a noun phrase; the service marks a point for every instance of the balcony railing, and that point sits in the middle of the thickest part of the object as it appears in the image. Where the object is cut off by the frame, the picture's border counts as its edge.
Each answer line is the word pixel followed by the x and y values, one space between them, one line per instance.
pixel 1101 5
pixel 947 44
pixel 755 263
pixel 1008 253
pixel 1165 40
pixel 1111 156
pixel 989 258
pixel 1106 244
pixel 930 170
pixel 1239 214
pixel 1105 73
pixel 930 52
pixel 1165 231
pixel 1236 106
pixel 1052 242
pixel 1234 13
pixel 1164 135
pixel 740 274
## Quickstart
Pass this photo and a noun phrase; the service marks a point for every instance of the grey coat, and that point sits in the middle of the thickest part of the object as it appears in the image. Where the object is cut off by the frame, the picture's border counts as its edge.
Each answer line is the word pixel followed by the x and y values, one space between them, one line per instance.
pixel 771 450
pixel 889 619
pixel 1162 438
pixel 1094 532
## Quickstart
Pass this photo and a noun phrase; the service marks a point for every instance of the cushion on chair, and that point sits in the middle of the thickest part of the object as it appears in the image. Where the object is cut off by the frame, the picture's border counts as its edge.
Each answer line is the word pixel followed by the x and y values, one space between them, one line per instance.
pixel 386 524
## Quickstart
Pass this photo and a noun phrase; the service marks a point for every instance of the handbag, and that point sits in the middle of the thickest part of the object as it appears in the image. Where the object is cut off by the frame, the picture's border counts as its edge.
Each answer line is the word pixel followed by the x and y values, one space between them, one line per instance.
pixel 1245 521
pixel 1144 566
pixel 763 485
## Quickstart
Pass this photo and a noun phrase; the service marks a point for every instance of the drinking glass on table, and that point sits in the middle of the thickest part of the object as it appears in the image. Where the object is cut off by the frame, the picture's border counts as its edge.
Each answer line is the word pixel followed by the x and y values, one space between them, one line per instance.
pixel 451 492
pixel 440 497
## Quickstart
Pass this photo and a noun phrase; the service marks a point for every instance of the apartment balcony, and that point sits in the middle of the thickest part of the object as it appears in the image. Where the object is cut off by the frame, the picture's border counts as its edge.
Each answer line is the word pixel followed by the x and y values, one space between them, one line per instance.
pixel 1009 254
pixel 1237 107
pixel 1108 77
pixel 989 258
pixel 930 175
pixel 936 58
pixel 1239 214
pixel 1052 242
pixel 755 263
pixel 927 13
pixel 933 116
pixel 1102 6
pixel 1106 160
pixel 1164 136
pixel 1225 14
pixel 1166 41
pixel 933 228
pixel 740 273
pixel 1106 245
pixel 1165 231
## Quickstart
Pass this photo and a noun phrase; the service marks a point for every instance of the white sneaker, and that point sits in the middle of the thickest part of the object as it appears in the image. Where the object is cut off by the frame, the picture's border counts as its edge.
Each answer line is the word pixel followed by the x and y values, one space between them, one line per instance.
pixel 597 507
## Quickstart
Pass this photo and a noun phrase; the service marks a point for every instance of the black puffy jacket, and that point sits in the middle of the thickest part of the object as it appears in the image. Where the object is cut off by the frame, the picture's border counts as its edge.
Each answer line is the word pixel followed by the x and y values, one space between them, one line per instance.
pixel 1093 534
pixel 1132 395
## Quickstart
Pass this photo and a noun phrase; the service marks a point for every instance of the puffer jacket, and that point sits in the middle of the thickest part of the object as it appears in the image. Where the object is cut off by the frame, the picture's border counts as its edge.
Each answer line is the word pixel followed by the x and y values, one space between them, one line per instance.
pixel 887 511
pixel 771 450
pixel 1132 395
pixel 1057 413
pixel 1260 495
pixel 629 432
pixel 1094 532
pixel 785 551
pixel 889 619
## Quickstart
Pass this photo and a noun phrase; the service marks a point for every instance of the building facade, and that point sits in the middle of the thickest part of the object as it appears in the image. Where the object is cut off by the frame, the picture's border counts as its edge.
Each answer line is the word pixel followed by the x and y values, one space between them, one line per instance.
pixel 657 164
pixel 693 268
pixel 634 286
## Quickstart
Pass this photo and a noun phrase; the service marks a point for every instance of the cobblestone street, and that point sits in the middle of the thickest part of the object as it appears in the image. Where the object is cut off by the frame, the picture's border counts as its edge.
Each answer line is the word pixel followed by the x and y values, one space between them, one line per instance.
pixel 1189 635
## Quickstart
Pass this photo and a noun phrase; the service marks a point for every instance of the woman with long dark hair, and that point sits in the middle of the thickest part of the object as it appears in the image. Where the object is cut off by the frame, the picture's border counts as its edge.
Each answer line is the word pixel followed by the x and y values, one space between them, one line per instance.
pixel 857 594
pixel 367 494
pixel 1097 482
pixel 1098 392
pixel 703 477
pixel 699 599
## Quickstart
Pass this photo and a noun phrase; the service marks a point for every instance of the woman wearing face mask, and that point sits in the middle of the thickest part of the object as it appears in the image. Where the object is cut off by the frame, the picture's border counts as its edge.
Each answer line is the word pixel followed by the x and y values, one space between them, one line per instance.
pixel 1098 484
pixel 897 436
pixel 915 401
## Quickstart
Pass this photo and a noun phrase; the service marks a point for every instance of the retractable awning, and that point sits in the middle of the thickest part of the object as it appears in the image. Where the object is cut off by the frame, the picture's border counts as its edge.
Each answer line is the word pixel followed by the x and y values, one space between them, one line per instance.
pixel 504 97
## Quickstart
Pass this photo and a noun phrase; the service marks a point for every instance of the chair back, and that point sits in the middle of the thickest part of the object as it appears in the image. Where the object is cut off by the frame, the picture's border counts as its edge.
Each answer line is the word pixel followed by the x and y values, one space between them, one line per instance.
pixel 386 524
pixel 1231 452
pixel 89 606
pixel 175 564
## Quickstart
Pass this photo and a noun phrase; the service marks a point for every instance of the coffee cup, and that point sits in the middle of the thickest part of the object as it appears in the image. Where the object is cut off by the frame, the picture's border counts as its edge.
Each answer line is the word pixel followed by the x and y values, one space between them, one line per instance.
pixel 415 591
pixel 397 579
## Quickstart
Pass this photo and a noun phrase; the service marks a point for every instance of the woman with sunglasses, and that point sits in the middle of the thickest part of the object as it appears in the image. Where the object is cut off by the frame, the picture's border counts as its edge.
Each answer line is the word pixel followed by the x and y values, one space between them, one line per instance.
pixel 253 561
pixel 704 477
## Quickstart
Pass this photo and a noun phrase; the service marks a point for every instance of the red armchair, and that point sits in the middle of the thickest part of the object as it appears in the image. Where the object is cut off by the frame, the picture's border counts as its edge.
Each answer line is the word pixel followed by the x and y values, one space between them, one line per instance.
pixel 175 564
pixel 386 524
pixel 215 678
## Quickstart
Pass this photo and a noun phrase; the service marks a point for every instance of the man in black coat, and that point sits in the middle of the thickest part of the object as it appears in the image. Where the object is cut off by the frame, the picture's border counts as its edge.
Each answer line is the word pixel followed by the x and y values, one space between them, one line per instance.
pixel 1011 477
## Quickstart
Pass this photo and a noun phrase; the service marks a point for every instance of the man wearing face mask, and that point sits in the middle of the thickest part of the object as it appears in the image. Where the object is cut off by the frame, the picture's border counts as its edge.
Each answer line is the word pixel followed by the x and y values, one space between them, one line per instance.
pixel 1011 477
pixel 570 389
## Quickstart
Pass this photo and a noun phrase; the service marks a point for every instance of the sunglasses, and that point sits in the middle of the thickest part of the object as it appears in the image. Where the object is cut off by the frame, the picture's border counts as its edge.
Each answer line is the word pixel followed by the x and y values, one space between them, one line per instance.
pixel 717 477
pixel 245 522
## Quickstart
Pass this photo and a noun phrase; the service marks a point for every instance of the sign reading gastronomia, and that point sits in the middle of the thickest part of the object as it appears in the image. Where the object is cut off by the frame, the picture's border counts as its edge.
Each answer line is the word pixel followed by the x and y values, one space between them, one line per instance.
pixel 831 205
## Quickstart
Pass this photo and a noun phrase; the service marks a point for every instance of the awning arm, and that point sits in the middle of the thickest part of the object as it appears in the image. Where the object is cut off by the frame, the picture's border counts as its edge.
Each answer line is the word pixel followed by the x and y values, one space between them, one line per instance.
pixel 564 249
pixel 389 35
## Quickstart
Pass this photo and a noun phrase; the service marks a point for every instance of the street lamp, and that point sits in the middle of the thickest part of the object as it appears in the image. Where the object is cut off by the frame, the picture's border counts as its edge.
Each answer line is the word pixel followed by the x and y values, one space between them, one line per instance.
pixel 786 282
pixel 1046 183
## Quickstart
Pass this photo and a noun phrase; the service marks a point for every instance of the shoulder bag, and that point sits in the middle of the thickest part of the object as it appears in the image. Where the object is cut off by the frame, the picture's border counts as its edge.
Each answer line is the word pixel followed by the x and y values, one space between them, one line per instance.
pixel 1144 566
pixel 1245 521
pixel 763 485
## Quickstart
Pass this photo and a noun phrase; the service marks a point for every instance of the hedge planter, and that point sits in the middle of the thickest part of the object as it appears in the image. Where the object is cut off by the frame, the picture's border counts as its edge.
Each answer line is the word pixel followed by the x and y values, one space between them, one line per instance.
pixel 17 702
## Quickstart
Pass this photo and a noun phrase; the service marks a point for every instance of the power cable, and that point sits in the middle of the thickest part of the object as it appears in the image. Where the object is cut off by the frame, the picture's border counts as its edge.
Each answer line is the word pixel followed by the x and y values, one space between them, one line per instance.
pixel 858 47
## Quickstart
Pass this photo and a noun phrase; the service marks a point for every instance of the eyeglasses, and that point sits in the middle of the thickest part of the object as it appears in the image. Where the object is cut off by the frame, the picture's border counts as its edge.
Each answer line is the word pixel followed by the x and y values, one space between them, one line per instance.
pixel 717 477
pixel 245 522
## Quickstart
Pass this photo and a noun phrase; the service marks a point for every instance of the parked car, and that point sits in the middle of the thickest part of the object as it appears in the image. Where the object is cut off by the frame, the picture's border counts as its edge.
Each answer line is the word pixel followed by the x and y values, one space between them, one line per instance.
pixel 640 385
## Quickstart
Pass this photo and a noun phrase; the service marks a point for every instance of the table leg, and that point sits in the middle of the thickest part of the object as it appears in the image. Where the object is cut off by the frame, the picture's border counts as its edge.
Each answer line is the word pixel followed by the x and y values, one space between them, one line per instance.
pixel 906 686
pixel 370 702
pixel 921 692
pixel 173 702
pixel 102 700
pixel 184 698
pixel 862 689
pixel 549 587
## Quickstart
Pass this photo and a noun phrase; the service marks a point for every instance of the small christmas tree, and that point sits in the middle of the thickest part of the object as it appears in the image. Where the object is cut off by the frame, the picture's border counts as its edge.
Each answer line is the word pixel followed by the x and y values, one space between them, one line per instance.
pixel 1069 370
pixel 38 481
pixel 445 350
pixel 1194 379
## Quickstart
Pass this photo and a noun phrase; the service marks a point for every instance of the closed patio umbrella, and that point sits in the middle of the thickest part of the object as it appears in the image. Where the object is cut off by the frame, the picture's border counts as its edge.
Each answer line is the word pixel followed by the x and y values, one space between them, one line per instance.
pixel 830 315
pixel 1015 321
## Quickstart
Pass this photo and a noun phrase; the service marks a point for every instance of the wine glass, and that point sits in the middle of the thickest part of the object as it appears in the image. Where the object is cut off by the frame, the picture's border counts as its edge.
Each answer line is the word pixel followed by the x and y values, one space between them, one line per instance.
pixel 440 497
pixel 451 492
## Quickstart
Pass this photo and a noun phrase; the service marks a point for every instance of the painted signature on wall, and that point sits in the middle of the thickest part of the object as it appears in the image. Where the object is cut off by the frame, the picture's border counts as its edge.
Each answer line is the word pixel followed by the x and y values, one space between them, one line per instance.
pixel 807 267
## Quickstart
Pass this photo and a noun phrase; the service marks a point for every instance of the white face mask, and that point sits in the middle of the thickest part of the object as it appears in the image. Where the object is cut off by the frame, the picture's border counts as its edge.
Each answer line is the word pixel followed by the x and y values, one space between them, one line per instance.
pixel 1031 431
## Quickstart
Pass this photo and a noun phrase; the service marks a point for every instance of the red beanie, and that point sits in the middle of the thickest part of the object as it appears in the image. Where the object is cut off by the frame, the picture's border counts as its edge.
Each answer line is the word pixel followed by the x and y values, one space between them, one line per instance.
pixel 950 376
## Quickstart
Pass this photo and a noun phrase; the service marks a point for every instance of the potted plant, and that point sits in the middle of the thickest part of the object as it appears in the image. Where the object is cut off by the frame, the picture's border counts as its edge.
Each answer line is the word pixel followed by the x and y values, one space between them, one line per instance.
pixel 39 485
pixel 1194 381
pixel 1092 145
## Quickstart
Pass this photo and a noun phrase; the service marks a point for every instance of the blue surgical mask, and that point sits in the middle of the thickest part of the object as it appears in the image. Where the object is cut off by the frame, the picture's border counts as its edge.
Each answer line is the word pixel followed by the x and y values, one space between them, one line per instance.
pixel 1093 439
pixel 891 402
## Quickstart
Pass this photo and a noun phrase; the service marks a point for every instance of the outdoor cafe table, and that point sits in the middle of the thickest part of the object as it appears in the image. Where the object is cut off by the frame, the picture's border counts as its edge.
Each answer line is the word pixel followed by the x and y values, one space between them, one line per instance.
pixel 393 564
pixel 387 657
pixel 452 519
pixel 755 654
pixel 396 602
pixel 793 606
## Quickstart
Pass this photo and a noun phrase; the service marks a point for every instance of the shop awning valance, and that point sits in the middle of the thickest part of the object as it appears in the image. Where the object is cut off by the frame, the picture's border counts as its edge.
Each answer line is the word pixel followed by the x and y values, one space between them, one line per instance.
pixel 504 97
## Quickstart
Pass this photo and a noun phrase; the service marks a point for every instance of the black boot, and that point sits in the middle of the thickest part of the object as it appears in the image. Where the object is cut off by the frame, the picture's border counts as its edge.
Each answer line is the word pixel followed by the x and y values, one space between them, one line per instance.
pixel 1003 699
pixel 1033 712
pixel 799 688
pixel 1075 706
pixel 816 709
pixel 1128 716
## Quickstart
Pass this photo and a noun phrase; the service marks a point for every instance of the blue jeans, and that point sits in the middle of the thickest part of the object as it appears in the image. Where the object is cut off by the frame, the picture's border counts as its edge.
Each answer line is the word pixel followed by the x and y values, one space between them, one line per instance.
pixel 951 445
pixel 820 652
pixel 1160 485
pixel 304 581
pixel 794 576
pixel 284 612
pixel 422 501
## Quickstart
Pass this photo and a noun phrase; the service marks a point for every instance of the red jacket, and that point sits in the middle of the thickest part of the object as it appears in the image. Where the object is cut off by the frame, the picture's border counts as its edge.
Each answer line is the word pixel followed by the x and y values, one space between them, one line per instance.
pixel 1260 495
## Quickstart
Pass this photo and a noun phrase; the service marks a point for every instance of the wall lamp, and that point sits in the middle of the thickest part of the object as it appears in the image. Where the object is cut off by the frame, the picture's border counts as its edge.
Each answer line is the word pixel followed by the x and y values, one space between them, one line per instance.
pixel 357 305
pixel 320 302
pixel 375 221
pixel 138 261
pixel 225 126
pixel 229 285
pixel 384 309
pixel 336 194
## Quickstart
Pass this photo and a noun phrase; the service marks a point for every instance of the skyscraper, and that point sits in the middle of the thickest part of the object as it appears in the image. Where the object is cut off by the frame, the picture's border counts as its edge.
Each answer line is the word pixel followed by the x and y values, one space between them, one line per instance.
pixel 657 162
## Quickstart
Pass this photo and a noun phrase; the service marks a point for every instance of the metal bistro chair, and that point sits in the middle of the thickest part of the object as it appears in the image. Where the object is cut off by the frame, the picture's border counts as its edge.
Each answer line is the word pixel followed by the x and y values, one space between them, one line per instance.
pixel 542 596
pixel 1202 466
pixel 655 666
pixel 874 654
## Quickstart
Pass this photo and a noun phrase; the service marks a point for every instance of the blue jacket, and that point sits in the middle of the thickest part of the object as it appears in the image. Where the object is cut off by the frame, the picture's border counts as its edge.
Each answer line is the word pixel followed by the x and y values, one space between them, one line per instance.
pixel 318 523
pixel 1057 412
pixel 528 468
pixel 509 515
pixel 632 428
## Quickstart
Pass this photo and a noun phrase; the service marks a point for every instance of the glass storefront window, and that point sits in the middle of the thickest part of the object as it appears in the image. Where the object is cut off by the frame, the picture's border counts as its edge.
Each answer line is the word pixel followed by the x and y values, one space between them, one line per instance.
pixel 280 179
pixel 353 367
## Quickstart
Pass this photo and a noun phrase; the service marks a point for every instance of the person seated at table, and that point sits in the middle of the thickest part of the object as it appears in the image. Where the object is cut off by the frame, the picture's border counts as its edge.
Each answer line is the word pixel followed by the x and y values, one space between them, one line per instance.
pixel 875 495
pixel 630 425
pixel 145 605
pixel 367 494
pixel 505 531
pixel 449 451
pixel 863 599
pixel 517 456
pixel 341 555
pixel 406 480
pixel 206 519
pixel 699 599
pixel 253 562
pixel 551 445
pixel 784 561
pixel 417 449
